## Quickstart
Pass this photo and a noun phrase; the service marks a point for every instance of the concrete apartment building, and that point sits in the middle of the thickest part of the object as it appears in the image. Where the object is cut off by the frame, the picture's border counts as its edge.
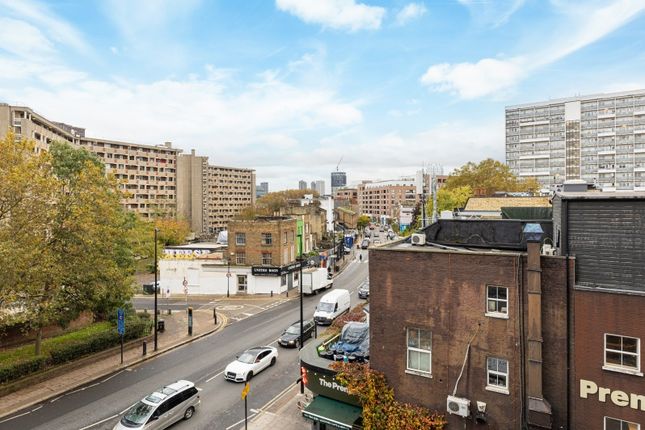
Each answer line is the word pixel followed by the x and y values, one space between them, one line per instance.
pixel 319 187
pixel 596 138
pixel 159 180
pixel 148 173
pixel 262 189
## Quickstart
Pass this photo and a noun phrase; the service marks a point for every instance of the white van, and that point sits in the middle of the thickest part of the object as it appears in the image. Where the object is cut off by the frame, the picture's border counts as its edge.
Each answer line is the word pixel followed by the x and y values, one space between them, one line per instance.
pixel 332 305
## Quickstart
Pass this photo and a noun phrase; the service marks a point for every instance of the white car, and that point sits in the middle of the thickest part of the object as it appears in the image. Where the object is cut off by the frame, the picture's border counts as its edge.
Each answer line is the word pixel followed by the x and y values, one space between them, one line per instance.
pixel 250 363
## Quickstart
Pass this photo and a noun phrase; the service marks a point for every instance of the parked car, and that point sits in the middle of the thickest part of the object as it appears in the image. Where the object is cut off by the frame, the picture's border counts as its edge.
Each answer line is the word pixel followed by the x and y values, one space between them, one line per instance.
pixel 162 408
pixel 364 290
pixel 291 336
pixel 332 305
pixel 149 288
pixel 353 344
pixel 365 243
pixel 250 363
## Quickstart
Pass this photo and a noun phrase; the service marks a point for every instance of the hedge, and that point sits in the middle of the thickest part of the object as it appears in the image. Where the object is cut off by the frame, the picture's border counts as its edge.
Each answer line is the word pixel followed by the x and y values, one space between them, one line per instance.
pixel 75 347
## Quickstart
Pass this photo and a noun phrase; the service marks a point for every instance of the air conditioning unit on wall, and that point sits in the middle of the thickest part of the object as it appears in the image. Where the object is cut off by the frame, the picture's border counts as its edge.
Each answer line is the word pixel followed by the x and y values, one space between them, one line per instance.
pixel 458 406
pixel 418 239
pixel 548 249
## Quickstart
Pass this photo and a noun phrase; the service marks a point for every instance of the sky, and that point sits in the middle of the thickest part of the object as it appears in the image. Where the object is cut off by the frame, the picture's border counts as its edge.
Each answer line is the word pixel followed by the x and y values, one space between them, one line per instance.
pixel 289 87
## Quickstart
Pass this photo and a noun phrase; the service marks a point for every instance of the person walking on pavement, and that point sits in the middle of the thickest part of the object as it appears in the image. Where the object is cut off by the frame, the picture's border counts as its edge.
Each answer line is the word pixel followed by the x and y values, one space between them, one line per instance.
pixel 360 257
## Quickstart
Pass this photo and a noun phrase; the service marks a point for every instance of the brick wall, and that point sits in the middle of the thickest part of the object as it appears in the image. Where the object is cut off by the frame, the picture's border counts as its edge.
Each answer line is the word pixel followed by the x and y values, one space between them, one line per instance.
pixel 254 248
pixel 445 292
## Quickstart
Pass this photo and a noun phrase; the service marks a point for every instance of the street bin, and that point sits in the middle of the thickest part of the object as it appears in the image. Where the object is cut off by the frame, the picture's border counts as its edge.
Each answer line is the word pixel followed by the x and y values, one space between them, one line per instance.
pixel 161 325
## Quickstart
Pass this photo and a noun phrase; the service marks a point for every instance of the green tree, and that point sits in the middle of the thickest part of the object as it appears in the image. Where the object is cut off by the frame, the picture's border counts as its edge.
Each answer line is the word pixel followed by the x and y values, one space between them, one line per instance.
pixel 450 199
pixel 271 203
pixel 363 221
pixel 77 245
pixel 488 177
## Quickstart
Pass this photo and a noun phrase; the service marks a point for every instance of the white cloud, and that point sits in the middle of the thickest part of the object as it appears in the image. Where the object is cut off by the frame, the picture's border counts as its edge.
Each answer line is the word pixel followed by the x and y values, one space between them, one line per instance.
pixel 23 39
pixel 40 15
pixel 492 13
pixel 410 12
pixel 338 14
pixel 474 80
pixel 582 27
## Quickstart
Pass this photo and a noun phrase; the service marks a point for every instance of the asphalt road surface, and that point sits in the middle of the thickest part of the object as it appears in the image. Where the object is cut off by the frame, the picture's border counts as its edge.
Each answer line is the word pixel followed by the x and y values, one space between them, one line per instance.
pixel 100 404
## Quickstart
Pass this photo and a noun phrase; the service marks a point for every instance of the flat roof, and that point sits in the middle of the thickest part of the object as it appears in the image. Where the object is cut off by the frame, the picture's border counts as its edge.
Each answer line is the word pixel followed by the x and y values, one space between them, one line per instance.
pixel 497 203
pixel 579 98
pixel 604 195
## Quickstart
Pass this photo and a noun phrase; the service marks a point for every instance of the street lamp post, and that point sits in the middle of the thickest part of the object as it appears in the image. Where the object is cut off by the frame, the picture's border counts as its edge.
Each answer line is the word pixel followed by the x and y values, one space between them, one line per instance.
pixel 156 230
pixel 228 275
pixel 302 335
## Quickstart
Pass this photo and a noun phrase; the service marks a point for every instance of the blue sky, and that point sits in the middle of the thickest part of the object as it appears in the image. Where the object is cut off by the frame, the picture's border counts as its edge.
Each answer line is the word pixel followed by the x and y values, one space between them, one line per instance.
pixel 287 87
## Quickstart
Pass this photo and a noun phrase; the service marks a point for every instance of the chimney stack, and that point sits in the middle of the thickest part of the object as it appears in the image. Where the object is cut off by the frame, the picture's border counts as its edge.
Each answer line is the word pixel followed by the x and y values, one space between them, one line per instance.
pixel 539 410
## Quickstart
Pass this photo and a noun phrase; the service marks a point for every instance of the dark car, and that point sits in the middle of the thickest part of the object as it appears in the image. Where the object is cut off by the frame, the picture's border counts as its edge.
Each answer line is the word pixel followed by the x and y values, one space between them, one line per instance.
pixel 353 344
pixel 291 337
pixel 364 291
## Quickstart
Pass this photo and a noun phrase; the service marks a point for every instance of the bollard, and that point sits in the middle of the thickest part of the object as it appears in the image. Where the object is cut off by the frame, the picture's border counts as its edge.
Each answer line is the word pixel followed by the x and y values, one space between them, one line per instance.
pixel 215 316
pixel 190 321
pixel 315 330
pixel 271 293
pixel 169 311
pixel 145 347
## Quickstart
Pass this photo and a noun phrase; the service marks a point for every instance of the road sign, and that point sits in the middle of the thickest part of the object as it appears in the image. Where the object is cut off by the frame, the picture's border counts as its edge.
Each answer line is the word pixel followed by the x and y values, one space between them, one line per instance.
pixel 228 275
pixel 120 318
pixel 245 390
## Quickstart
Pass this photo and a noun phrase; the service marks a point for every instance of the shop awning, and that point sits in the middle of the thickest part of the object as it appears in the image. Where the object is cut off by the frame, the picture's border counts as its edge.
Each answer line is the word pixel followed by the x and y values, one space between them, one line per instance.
pixel 328 411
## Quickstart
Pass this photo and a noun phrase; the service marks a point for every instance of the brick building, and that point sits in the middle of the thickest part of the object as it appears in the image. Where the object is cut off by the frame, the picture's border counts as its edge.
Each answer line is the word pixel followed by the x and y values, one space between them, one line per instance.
pixel 461 316
pixel 605 232
pixel 313 220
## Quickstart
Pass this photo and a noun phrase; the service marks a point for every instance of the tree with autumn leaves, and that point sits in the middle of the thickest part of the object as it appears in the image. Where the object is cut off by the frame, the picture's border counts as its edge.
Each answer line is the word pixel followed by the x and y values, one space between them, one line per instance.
pixel 65 238
pixel 380 410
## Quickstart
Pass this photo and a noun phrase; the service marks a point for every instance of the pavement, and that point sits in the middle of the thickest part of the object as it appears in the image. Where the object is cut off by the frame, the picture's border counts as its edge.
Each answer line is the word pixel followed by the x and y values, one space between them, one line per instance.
pixel 282 412
pixel 77 375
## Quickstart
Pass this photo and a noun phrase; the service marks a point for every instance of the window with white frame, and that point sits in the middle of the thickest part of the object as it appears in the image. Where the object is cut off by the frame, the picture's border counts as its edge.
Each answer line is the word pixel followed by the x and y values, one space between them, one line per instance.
pixel 622 352
pixel 617 424
pixel 496 301
pixel 419 350
pixel 240 239
pixel 240 258
pixel 267 258
pixel 497 374
pixel 267 239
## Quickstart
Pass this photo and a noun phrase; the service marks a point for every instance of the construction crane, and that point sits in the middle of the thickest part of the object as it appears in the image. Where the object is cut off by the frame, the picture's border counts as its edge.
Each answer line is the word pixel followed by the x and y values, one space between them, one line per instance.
pixel 339 161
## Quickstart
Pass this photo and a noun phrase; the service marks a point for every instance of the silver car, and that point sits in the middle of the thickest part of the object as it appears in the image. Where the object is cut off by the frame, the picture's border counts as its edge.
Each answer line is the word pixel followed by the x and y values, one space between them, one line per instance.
pixel 162 408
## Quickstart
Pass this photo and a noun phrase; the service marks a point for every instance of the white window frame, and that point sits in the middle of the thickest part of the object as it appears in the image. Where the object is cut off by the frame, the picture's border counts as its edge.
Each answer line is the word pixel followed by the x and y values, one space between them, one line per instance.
pixel 497 388
pixel 496 314
pixel 604 423
pixel 267 239
pixel 242 286
pixel 240 258
pixel 264 259
pixel 238 236
pixel 619 368
pixel 412 371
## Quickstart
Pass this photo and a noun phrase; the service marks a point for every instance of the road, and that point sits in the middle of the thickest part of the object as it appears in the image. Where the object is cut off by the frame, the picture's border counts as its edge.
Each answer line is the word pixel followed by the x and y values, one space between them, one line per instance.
pixel 99 405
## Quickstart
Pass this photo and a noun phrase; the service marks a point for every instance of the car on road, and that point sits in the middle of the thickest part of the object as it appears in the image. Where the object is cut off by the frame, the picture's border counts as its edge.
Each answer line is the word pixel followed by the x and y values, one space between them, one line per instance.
pixel 162 408
pixel 365 243
pixel 250 363
pixel 364 290
pixel 290 338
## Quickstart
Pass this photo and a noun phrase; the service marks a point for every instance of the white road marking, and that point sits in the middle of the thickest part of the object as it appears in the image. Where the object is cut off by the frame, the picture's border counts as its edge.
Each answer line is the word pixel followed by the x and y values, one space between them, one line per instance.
pixel 99 422
pixel 237 423
pixel 214 376
pixel 112 376
pixel 247 314
pixel 17 416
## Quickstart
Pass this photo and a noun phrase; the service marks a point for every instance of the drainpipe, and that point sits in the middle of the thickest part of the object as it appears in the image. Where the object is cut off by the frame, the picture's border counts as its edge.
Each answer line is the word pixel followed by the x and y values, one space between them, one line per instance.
pixel 539 414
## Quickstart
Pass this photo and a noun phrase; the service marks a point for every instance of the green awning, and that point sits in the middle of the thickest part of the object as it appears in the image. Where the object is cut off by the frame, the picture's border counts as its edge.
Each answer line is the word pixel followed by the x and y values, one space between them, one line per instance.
pixel 328 411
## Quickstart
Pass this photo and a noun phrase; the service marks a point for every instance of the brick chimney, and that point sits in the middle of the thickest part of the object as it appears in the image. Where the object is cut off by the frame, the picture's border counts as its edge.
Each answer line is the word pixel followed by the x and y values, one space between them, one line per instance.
pixel 539 414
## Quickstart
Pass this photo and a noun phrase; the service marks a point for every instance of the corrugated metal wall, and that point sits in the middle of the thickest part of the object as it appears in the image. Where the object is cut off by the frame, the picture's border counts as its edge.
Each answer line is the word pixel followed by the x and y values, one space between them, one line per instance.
pixel 607 238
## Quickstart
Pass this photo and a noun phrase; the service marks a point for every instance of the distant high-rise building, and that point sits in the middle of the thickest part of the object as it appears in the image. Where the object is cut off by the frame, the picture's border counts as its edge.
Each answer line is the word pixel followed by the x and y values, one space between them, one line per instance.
pixel 338 180
pixel 318 186
pixel 302 185
pixel 262 189
pixel 598 138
